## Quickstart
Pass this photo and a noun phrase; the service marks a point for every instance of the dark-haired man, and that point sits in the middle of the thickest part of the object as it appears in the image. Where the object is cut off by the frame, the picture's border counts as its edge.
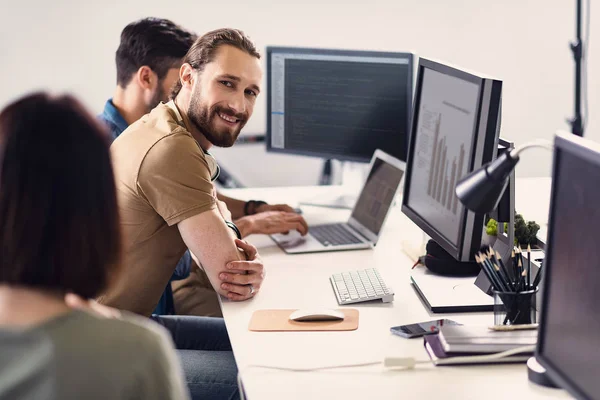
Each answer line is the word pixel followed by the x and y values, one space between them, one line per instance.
pixel 148 60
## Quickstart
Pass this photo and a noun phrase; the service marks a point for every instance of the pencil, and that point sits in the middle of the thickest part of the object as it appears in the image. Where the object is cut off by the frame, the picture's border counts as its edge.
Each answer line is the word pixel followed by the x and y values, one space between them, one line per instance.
pixel 521 276
pixel 528 266
pixel 537 279
pixel 490 274
pixel 504 271
pixel 524 276
pixel 504 280
pixel 514 264
pixel 479 260
pixel 520 252
pixel 496 270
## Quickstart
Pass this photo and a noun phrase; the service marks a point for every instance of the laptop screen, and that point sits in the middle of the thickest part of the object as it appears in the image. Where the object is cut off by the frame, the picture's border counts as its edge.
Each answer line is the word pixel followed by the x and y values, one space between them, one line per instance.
pixel 377 195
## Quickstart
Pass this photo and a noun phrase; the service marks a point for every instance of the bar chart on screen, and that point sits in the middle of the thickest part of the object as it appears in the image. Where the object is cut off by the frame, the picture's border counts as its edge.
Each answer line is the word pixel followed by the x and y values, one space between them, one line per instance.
pixel 443 172
pixel 442 148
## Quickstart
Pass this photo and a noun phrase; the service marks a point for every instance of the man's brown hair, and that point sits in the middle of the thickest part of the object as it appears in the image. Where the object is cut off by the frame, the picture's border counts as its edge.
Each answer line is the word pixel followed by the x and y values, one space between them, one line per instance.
pixel 59 223
pixel 203 50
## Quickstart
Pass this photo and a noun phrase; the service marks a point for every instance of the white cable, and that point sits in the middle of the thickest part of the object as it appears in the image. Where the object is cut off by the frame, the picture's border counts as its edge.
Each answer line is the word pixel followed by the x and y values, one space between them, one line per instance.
pixel 313 369
pixel 535 143
pixel 394 362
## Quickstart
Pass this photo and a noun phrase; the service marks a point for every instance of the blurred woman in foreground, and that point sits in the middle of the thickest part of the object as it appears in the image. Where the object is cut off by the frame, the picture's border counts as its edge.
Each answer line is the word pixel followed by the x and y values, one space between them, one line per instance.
pixel 59 234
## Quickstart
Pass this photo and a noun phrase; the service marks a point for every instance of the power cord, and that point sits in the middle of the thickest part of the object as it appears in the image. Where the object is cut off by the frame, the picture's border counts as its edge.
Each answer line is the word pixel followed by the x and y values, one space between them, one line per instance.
pixel 398 363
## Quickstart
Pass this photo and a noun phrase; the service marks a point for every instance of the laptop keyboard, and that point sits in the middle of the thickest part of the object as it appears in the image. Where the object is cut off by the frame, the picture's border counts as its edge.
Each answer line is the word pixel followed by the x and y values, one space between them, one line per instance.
pixel 333 235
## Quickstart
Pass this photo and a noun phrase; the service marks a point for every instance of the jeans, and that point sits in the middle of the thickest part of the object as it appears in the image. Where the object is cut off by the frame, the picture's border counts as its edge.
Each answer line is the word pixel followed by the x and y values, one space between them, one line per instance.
pixel 182 269
pixel 166 304
pixel 205 353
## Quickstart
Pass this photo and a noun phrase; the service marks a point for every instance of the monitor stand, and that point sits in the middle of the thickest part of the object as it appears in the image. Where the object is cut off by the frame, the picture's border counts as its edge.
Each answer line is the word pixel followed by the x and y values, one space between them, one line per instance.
pixel 443 294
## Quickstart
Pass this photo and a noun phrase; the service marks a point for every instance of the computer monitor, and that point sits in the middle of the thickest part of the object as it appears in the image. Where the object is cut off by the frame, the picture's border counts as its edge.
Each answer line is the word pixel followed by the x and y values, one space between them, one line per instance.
pixel 338 104
pixel 455 129
pixel 568 338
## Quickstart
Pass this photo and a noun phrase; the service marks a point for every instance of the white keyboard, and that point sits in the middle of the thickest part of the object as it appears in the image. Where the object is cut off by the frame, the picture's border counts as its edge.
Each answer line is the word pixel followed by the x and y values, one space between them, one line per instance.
pixel 358 286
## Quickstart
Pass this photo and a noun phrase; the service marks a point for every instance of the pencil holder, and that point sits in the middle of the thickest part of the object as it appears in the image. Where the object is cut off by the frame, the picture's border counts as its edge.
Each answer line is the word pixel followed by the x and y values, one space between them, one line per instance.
pixel 515 308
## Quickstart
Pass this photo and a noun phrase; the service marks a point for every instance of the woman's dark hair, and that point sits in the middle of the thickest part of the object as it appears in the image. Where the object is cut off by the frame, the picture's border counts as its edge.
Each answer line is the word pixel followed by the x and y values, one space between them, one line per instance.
pixel 59 223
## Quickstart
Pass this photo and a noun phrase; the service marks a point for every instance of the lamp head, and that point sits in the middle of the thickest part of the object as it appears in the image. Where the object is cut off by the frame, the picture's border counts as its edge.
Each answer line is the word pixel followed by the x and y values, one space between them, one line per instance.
pixel 481 190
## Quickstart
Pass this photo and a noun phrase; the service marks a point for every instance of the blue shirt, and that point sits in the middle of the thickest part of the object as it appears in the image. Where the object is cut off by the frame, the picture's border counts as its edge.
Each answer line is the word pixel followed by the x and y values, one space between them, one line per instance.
pixel 117 124
pixel 113 119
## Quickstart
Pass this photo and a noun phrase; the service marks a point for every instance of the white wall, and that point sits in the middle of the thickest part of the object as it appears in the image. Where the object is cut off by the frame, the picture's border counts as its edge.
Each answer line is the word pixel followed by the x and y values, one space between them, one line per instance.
pixel 70 44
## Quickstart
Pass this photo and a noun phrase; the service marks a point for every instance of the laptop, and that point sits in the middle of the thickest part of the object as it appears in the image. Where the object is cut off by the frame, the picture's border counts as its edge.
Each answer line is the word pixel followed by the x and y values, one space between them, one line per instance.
pixel 363 228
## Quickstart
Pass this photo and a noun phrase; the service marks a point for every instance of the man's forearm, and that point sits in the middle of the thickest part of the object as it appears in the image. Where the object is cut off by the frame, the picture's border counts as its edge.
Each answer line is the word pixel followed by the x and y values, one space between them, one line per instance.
pixel 235 206
pixel 211 241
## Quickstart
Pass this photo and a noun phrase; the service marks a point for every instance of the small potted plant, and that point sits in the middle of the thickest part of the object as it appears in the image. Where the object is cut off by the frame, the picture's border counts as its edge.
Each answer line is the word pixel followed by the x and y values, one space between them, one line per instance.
pixel 525 231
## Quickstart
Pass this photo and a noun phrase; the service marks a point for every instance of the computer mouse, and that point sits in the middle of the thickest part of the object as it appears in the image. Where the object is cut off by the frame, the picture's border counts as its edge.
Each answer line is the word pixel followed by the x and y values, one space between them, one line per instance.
pixel 303 315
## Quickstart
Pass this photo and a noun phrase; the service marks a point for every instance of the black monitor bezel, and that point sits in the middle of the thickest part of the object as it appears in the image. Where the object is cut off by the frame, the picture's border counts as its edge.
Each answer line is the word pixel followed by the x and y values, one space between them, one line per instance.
pixel 491 138
pixel 563 143
pixel 360 53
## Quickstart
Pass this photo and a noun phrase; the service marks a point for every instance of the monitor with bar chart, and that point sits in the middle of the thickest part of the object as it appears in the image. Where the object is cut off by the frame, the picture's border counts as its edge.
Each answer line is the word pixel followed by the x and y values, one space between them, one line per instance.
pixel 445 127
pixel 454 129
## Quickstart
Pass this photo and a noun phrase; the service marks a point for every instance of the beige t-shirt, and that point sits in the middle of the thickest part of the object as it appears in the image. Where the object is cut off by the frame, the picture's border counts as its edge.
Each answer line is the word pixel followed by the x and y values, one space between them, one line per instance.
pixel 98 358
pixel 163 177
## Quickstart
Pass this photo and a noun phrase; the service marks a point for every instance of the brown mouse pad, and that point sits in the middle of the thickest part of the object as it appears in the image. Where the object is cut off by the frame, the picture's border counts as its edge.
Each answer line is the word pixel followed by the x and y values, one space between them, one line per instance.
pixel 278 321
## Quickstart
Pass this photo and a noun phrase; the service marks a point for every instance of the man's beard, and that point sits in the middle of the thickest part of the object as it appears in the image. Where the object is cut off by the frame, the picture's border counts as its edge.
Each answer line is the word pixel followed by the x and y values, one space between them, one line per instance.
pixel 159 96
pixel 202 116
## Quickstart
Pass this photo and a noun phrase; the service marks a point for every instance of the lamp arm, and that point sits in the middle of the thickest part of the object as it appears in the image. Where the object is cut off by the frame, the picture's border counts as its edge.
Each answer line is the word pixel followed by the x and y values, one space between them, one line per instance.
pixel 536 143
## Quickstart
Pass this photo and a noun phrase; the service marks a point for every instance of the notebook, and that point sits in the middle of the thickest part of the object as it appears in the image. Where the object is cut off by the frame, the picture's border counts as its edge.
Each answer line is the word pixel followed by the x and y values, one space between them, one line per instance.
pixel 439 356
pixel 480 339
pixel 363 228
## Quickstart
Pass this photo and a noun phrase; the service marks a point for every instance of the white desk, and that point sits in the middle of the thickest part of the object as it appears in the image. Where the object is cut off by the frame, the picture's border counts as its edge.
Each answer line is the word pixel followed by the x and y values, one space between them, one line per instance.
pixel 296 281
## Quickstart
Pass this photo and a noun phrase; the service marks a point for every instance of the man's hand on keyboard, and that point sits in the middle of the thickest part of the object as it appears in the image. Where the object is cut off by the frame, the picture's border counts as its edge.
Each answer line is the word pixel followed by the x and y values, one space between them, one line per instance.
pixel 270 222
pixel 243 279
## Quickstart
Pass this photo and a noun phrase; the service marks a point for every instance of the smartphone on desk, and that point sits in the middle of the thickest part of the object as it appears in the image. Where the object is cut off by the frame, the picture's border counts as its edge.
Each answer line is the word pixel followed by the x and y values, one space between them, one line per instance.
pixel 421 328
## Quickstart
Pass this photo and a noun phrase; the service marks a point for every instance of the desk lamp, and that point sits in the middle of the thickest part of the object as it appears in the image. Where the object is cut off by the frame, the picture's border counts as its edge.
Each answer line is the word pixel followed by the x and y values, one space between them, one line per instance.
pixel 480 191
